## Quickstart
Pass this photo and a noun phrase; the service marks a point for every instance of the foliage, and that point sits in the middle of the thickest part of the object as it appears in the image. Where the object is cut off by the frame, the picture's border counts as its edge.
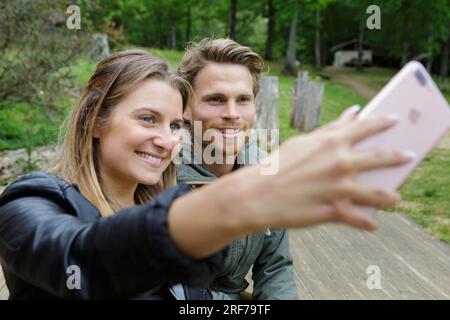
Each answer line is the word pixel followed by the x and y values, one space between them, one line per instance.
pixel 408 27
pixel 35 46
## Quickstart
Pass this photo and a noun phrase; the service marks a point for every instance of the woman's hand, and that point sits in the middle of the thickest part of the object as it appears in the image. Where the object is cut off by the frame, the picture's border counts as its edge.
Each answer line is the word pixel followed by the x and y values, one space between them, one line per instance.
pixel 316 182
pixel 317 178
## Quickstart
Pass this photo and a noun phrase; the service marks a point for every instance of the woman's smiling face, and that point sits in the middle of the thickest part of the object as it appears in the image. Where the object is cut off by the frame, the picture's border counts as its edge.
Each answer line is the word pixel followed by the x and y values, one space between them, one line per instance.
pixel 136 144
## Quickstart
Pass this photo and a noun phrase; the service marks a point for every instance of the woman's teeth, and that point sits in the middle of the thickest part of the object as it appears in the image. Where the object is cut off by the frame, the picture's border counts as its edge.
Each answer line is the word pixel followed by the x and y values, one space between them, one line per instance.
pixel 149 158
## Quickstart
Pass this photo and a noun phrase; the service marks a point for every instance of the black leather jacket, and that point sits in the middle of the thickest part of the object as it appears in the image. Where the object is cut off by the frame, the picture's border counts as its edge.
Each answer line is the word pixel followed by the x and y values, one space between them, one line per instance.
pixel 46 226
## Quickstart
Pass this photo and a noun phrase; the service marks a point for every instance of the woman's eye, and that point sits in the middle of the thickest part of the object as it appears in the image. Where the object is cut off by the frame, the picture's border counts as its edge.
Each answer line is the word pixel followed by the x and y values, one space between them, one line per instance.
pixel 175 127
pixel 148 119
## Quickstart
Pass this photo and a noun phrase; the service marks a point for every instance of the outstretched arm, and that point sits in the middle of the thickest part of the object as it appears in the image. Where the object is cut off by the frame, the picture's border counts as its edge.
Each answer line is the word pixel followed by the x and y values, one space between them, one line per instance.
pixel 316 183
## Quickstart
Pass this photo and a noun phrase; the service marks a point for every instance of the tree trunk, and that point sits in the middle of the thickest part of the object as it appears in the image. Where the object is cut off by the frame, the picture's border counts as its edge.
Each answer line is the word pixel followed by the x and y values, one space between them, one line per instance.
pixel 270 31
pixel 233 10
pixel 290 63
pixel 308 96
pixel 444 58
pixel 171 36
pixel 430 53
pixel 188 23
pixel 317 42
pixel 405 42
pixel 405 52
pixel 359 63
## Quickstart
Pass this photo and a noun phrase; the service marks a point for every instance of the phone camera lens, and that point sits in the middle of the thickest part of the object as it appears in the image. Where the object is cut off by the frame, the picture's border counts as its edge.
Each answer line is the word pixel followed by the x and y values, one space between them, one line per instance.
pixel 421 77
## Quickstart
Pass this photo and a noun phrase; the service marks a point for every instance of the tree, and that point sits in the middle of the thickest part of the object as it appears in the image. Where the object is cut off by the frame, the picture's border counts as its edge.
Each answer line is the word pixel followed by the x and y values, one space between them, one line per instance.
pixel 291 59
pixel 271 12
pixel 318 63
pixel 444 57
pixel 290 64
pixel 319 6
pixel 188 22
pixel 233 10
pixel 36 48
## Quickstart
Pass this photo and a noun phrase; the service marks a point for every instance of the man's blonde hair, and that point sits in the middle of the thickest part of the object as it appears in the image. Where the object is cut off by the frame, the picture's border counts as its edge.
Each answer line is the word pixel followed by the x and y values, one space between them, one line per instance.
pixel 199 54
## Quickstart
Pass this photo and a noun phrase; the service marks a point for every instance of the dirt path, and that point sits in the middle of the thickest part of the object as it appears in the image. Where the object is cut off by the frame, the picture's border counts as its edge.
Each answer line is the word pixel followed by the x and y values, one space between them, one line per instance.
pixel 360 86
pixel 445 142
pixel 357 83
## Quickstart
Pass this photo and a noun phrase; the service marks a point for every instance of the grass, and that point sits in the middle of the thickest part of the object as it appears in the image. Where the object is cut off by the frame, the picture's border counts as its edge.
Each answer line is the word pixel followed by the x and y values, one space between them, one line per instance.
pixel 426 193
pixel 26 127
pixel 336 99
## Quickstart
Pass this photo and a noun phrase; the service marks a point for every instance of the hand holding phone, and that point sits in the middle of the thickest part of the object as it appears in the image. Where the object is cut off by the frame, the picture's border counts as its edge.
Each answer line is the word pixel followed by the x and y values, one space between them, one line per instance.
pixel 424 117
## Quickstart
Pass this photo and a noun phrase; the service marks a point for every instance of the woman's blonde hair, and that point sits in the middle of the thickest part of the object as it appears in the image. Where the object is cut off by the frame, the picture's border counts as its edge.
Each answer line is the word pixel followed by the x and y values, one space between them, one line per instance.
pixel 113 78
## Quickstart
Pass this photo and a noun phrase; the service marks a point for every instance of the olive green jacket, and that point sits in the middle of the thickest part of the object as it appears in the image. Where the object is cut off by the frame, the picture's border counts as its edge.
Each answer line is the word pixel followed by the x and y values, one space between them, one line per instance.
pixel 266 254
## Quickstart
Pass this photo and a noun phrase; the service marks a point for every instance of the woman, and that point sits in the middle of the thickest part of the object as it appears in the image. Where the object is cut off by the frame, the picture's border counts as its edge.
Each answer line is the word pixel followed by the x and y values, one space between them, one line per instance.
pixel 93 217
pixel 116 155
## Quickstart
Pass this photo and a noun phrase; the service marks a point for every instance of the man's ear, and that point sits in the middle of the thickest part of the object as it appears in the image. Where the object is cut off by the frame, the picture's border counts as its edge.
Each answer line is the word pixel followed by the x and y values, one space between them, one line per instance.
pixel 187 114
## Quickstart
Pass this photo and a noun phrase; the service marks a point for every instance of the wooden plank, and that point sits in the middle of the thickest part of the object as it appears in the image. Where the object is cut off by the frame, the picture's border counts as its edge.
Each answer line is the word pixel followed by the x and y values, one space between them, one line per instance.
pixel 413 265
pixel 302 288
pixel 339 273
pixel 353 260
pixel 315 276
pixel 2 278
pixel 350 263
pixel 4 293
pixel 373 253
pixel 266 116
pixel 308 97
pixel 3 288
pixel 401 251
pixel 427 245
pixel 417 257
pixel 299 93
pixel 409 254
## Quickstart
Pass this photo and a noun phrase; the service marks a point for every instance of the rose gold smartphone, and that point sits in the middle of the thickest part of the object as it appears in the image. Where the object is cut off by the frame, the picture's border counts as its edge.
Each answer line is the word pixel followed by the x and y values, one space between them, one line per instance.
pixel 424 118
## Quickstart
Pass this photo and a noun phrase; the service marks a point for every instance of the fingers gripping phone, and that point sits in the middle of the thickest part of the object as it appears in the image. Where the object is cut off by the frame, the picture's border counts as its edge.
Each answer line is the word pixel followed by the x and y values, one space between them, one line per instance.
pixel 424 118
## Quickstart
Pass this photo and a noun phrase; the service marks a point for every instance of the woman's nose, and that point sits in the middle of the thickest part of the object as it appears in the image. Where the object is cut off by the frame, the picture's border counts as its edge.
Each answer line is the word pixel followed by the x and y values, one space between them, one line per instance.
pixel 166 141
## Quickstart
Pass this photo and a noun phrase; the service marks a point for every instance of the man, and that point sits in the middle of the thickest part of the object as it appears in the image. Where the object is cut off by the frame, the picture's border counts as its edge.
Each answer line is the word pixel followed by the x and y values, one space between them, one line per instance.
pixel 224 76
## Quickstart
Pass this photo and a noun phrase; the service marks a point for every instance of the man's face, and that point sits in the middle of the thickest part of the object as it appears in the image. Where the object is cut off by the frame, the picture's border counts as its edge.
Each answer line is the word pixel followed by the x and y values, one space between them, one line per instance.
pixel 224 103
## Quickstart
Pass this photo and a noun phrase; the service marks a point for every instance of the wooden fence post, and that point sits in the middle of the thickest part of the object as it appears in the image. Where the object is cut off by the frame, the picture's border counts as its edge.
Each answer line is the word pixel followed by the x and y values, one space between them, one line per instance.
pixel 266 116
pixel 307 102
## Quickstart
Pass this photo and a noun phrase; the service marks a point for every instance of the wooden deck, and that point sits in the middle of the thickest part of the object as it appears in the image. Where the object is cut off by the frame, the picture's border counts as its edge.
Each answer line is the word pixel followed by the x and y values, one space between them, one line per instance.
pixel 331 262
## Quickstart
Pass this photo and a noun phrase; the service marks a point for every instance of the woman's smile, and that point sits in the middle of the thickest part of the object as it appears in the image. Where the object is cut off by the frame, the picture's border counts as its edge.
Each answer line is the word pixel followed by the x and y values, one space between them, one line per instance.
pixel 152 160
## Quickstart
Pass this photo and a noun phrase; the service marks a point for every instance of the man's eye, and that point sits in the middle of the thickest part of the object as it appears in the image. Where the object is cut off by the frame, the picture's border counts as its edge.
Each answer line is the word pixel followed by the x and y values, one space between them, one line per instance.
pixel 148 119
pixel 244 100
pixel 216 99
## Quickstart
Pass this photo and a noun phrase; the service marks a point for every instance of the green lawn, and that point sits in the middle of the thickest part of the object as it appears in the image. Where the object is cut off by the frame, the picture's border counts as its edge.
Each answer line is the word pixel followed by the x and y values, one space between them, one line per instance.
pixel 426 194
